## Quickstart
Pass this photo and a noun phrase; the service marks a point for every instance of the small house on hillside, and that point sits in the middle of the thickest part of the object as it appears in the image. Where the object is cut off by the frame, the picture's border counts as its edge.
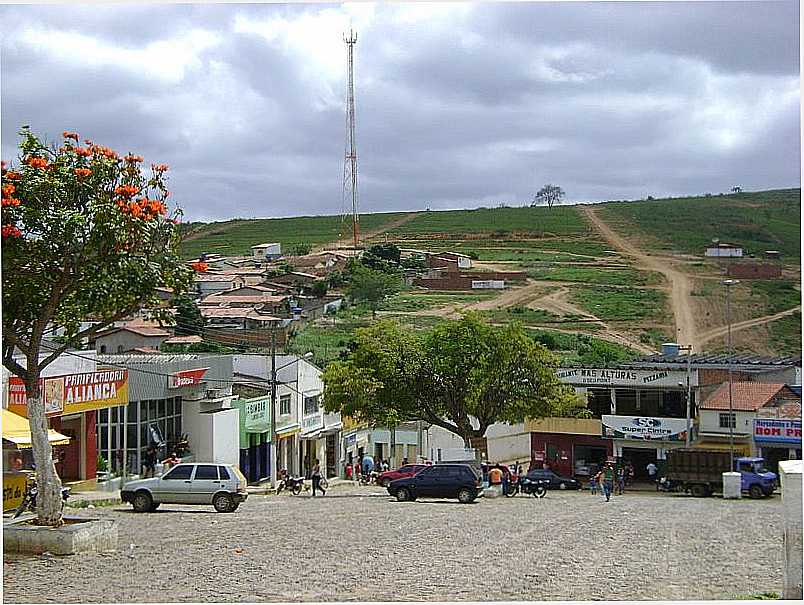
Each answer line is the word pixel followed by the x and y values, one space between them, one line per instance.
pixel 212 283
pixel 267 251
pixel 122 339
pixel 724 250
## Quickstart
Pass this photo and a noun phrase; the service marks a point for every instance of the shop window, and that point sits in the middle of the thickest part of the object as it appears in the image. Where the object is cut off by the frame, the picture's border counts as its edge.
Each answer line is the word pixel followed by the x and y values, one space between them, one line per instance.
pixel 284 405
pixel 728 420
pixel 649 403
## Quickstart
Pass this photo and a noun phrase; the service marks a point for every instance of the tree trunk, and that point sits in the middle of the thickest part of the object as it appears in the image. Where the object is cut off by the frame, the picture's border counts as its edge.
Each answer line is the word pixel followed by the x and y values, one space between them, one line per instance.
pixel 48 484
pixel 393 447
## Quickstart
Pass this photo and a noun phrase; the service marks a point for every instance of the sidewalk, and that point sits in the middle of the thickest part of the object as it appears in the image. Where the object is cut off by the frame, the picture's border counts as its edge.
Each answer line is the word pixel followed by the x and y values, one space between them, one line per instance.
pixel 265 487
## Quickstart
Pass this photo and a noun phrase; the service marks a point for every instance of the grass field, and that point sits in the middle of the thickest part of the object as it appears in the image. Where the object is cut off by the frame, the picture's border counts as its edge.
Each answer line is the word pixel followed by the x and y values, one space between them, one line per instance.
pixel 236 237
pixel 499 222
pixel 786 334
pixel 759 221
pixel 411 301
pixel 581 349
pixel 779 294
pixel 596 275
pixel 620 304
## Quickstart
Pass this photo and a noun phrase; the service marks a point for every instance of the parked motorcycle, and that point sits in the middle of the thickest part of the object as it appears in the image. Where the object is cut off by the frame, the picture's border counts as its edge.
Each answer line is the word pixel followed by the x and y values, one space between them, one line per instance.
pixel 29 499
pixel 535 487
pixel 294 485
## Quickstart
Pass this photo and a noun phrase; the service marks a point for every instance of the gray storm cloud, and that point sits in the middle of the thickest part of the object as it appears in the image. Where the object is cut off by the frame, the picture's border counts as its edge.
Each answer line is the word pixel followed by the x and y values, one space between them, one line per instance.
pixel 458 104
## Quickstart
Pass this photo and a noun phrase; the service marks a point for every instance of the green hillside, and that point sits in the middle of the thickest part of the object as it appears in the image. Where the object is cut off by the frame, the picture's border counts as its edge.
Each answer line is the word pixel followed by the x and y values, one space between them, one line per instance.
pixel 759 221
pixel 562 220
pixel 236 237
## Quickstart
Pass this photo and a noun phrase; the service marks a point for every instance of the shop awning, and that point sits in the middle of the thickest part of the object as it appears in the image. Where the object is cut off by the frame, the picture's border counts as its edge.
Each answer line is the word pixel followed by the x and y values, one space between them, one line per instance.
pixel 287 431
pixel 17 430
pixel 740 447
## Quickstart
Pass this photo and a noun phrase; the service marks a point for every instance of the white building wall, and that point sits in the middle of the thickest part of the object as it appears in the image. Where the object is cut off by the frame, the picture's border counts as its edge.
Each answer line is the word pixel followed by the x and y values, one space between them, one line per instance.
pixel 199 430
pixel 710 422
pixel 226 436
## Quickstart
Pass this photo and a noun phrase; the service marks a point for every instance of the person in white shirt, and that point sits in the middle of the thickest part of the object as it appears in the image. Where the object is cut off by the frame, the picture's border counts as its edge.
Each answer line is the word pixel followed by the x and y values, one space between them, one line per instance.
pixel 652 473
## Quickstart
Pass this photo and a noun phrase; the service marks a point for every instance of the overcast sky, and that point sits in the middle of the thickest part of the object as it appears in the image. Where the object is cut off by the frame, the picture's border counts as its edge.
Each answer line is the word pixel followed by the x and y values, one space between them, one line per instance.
pixel 458 105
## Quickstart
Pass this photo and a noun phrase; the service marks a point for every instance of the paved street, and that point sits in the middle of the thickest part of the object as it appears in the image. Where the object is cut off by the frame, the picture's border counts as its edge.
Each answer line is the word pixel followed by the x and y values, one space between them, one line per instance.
pixel 357 544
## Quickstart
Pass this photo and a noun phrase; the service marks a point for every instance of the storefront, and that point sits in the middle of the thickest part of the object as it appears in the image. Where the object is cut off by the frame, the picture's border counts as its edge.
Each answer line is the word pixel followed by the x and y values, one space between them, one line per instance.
pixel 642 440
pixel 179 402
pixel 72 402
pixel 568 446
pixel 255 437
pixel 18 456
pixel 777 439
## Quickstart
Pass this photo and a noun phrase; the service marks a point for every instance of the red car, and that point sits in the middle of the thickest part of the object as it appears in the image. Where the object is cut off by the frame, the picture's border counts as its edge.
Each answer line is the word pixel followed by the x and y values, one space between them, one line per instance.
pixel 402 472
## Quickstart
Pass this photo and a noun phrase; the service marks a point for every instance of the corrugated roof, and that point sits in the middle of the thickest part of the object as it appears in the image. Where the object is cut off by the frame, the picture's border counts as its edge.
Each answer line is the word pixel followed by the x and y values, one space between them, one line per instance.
pixel 255 299
pixel 745 396
pixel 719 359
pixel 236 313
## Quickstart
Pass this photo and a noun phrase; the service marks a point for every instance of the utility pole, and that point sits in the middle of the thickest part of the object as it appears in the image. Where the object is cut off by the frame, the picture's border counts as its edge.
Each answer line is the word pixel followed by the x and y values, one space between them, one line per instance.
pixel 350 155
pixel 732 420
pixel 274 448
pixel 688 349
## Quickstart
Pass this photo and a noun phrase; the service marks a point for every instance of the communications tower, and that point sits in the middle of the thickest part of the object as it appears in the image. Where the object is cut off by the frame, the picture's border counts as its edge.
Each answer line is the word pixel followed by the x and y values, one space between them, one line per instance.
pixel 350 155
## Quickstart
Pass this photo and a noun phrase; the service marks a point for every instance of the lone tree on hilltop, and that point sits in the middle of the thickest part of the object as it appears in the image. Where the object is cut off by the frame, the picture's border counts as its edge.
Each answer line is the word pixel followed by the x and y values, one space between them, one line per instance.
pixel 549 194
pixel 463 375
pixel 85 233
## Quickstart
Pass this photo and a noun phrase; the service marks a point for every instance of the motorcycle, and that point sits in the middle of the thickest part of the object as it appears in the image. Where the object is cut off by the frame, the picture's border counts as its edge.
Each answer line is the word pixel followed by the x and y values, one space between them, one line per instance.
pixel 29 499
pixel 536 487
pixel 294 485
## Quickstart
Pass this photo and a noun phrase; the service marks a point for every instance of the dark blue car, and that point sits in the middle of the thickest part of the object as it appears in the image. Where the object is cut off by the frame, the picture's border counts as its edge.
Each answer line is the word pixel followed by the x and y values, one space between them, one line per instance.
pixel 459 481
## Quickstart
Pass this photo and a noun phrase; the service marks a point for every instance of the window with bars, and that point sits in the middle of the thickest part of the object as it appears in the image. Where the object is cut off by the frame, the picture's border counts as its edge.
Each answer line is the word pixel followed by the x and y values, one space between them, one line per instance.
pixel 728 420
pixel 284 405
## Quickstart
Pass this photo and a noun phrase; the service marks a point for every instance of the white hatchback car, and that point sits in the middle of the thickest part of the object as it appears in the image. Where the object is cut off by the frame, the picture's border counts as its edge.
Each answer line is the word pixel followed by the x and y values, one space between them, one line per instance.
pixel 221 485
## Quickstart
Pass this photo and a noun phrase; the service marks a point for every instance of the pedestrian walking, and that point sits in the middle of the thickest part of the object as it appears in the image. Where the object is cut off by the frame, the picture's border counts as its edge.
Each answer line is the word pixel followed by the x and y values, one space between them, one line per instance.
pixel 652 469
pixel 621 480
pixel 316 478
pixel 608 480
pixel 504 481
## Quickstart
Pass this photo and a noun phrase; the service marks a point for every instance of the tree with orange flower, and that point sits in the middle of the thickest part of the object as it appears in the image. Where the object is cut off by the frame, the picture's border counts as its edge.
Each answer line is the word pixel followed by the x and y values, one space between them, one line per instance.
pixel 85 233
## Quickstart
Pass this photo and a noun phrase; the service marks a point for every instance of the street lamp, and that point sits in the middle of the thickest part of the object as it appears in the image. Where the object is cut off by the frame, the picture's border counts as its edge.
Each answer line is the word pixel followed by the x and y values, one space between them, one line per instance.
pixel 688 349
pixel 732 421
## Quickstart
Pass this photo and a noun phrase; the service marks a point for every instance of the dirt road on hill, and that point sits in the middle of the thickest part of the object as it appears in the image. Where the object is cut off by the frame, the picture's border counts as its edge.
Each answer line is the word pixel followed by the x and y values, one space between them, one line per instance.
pixel 367 235
pixel 680 283
pixel 742 325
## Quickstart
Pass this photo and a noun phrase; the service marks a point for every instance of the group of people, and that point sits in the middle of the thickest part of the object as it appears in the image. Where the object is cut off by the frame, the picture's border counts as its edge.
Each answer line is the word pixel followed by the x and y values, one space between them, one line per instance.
pixel 497 474
pixel 612 480
pixel 364 468
pixel 150 457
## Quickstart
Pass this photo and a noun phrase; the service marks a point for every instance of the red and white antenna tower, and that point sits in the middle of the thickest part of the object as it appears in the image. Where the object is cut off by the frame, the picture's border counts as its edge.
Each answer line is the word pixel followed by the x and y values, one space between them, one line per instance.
pixel 350 154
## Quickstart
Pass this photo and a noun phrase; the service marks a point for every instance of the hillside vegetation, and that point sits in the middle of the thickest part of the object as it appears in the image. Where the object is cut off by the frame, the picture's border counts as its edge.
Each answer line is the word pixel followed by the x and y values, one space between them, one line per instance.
pixel 236 237
pixel 759 221
pixel 580 291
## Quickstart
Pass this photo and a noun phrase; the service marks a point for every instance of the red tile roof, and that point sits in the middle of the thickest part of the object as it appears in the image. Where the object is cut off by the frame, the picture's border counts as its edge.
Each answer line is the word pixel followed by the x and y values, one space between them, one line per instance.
pixel 746 396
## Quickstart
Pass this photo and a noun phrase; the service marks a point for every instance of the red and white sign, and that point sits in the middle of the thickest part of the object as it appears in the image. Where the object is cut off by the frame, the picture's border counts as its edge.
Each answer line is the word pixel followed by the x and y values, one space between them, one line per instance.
pixel 186 378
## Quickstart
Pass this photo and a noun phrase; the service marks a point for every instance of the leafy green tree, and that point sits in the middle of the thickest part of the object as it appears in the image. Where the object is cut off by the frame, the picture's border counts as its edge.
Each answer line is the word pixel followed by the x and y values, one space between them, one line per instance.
pixel 461 375
pixel 372 287
pixel 319 288
pixel 85 233
pixel 189 320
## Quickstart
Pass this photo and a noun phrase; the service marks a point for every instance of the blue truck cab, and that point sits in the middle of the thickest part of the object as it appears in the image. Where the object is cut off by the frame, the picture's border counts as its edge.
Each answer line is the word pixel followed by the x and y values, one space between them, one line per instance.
pixel 755 478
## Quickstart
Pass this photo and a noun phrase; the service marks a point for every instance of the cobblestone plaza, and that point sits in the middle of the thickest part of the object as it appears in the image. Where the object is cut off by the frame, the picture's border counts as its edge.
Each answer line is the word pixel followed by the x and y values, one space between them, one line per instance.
pixel 359 545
